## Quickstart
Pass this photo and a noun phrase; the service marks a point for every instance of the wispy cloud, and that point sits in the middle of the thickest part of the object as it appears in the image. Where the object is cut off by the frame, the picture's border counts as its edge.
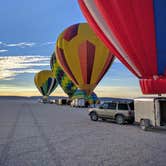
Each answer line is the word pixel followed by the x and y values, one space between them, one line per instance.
pixel 1 51
pixel 26 44
pixel 10 66
pixel 48 43
pixel 12 90
pixel 21 44
pixel 118 91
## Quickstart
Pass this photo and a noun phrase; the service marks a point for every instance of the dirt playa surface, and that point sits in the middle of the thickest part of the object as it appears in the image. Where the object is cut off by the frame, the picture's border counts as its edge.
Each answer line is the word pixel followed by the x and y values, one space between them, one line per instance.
pixel 33 134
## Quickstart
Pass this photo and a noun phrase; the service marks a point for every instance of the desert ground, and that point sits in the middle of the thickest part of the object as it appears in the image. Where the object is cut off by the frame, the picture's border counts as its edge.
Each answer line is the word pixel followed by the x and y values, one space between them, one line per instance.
pixel 34 134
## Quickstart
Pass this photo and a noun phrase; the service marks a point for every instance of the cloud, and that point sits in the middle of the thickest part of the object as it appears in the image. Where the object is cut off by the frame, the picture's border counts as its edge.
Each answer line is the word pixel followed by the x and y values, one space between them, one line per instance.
pixel 26 71
pixel 1 51
pixel 13 90
pixel 26 44
pixel 11 66
pixel 116 79
pixel 22 44
pixel 48 43
pixel 118 91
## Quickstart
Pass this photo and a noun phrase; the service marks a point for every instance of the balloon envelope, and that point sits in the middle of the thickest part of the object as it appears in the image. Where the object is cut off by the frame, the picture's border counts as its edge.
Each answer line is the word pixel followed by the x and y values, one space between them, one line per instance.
pixel 66 84
pixel 45 82
pixel 83 56
pixel 135 31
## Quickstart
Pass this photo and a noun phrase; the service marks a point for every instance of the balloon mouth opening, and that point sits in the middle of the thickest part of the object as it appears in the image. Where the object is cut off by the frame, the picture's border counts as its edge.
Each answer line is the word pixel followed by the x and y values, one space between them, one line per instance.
pixel 83 91
pixel 153 86
pixel 87 88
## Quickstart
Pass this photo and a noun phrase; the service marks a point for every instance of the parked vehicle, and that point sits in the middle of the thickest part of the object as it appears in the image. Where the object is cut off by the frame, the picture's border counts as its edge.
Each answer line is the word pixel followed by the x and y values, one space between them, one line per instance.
pixel 62 101
pixel 44 101
pixel 78 103
pixel 150 112
pixel 72 103
pixel 116 110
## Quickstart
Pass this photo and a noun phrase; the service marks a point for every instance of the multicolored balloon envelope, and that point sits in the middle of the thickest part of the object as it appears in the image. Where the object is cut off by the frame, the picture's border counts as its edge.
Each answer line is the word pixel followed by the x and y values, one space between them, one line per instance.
pixel 45 82
pixel 135 31
pixel 83 56
pixel 92 98
pixel 66 84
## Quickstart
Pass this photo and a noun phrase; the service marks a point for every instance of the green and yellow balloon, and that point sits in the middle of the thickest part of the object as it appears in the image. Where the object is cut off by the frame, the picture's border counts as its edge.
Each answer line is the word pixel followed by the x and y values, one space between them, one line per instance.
pixel 81 94
pixel 46 82
pixel 66 84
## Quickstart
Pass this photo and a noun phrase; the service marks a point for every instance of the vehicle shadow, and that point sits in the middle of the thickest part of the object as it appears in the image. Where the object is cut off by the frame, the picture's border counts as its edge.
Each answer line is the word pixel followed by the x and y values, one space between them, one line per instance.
pixel 160 130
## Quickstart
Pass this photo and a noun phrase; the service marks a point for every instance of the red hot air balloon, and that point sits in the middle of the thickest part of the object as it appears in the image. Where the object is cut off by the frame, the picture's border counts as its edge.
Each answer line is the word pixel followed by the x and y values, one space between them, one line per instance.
pixel 135 31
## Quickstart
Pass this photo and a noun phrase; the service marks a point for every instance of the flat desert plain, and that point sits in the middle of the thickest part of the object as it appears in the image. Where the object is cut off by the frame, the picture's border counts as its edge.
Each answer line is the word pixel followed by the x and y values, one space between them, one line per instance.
pixel 34 134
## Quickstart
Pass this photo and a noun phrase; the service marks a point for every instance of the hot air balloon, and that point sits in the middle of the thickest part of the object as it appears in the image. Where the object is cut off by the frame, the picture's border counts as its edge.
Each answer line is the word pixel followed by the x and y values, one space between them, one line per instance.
pixel 83 56
pixel 91 99
pixel 135 31
pixel 45 82
pixel 66 84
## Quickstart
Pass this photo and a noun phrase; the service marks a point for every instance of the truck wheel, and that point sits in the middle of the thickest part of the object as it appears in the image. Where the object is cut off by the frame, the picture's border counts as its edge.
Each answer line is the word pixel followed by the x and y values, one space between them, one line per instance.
pixel 120 119
pixel 93 116
pixel 145 124
pixel 103 119
pixel 131 121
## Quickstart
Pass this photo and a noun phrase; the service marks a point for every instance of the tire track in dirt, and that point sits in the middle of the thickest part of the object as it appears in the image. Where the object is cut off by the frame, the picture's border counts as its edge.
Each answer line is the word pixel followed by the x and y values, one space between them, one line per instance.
pixel 51 148
pixel 5 151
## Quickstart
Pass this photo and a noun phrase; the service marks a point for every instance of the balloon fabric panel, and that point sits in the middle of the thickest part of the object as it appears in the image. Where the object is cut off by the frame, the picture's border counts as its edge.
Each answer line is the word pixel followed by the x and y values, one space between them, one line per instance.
pixel 160 28
pixel 98 24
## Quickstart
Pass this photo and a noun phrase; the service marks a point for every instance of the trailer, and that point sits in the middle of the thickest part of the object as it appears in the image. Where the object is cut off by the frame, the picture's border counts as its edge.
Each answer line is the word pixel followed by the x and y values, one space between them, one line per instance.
pixel 150 112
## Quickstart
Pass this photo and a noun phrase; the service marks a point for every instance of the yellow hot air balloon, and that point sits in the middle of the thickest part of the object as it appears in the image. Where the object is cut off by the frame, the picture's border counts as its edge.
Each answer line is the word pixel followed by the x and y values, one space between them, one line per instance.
pixel 45 82
pixel 83 56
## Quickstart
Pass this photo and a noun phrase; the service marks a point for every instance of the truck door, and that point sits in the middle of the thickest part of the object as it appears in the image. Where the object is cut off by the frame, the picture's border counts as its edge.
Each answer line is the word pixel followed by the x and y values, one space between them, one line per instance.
pixel 162 113
pixel 123 108
pixel 102 110
pixel 110 111
pixel 107 110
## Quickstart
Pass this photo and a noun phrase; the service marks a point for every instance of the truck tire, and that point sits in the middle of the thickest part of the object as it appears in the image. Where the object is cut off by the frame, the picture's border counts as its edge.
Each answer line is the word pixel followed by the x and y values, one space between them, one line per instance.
pixel 145 124
pixel 131 121
pixel 120 119
pixel 103 119
pixel 94 116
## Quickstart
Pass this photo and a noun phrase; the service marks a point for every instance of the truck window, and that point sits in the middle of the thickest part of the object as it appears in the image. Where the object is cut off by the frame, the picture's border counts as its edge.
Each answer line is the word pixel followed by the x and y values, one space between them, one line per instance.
pixel 112 106
pixel 131 106
pixel 105 105
pixel 122 106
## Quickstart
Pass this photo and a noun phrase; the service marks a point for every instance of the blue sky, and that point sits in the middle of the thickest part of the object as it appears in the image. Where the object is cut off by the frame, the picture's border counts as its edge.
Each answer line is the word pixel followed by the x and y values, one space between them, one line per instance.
pixel 28 33
pixel 36 23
